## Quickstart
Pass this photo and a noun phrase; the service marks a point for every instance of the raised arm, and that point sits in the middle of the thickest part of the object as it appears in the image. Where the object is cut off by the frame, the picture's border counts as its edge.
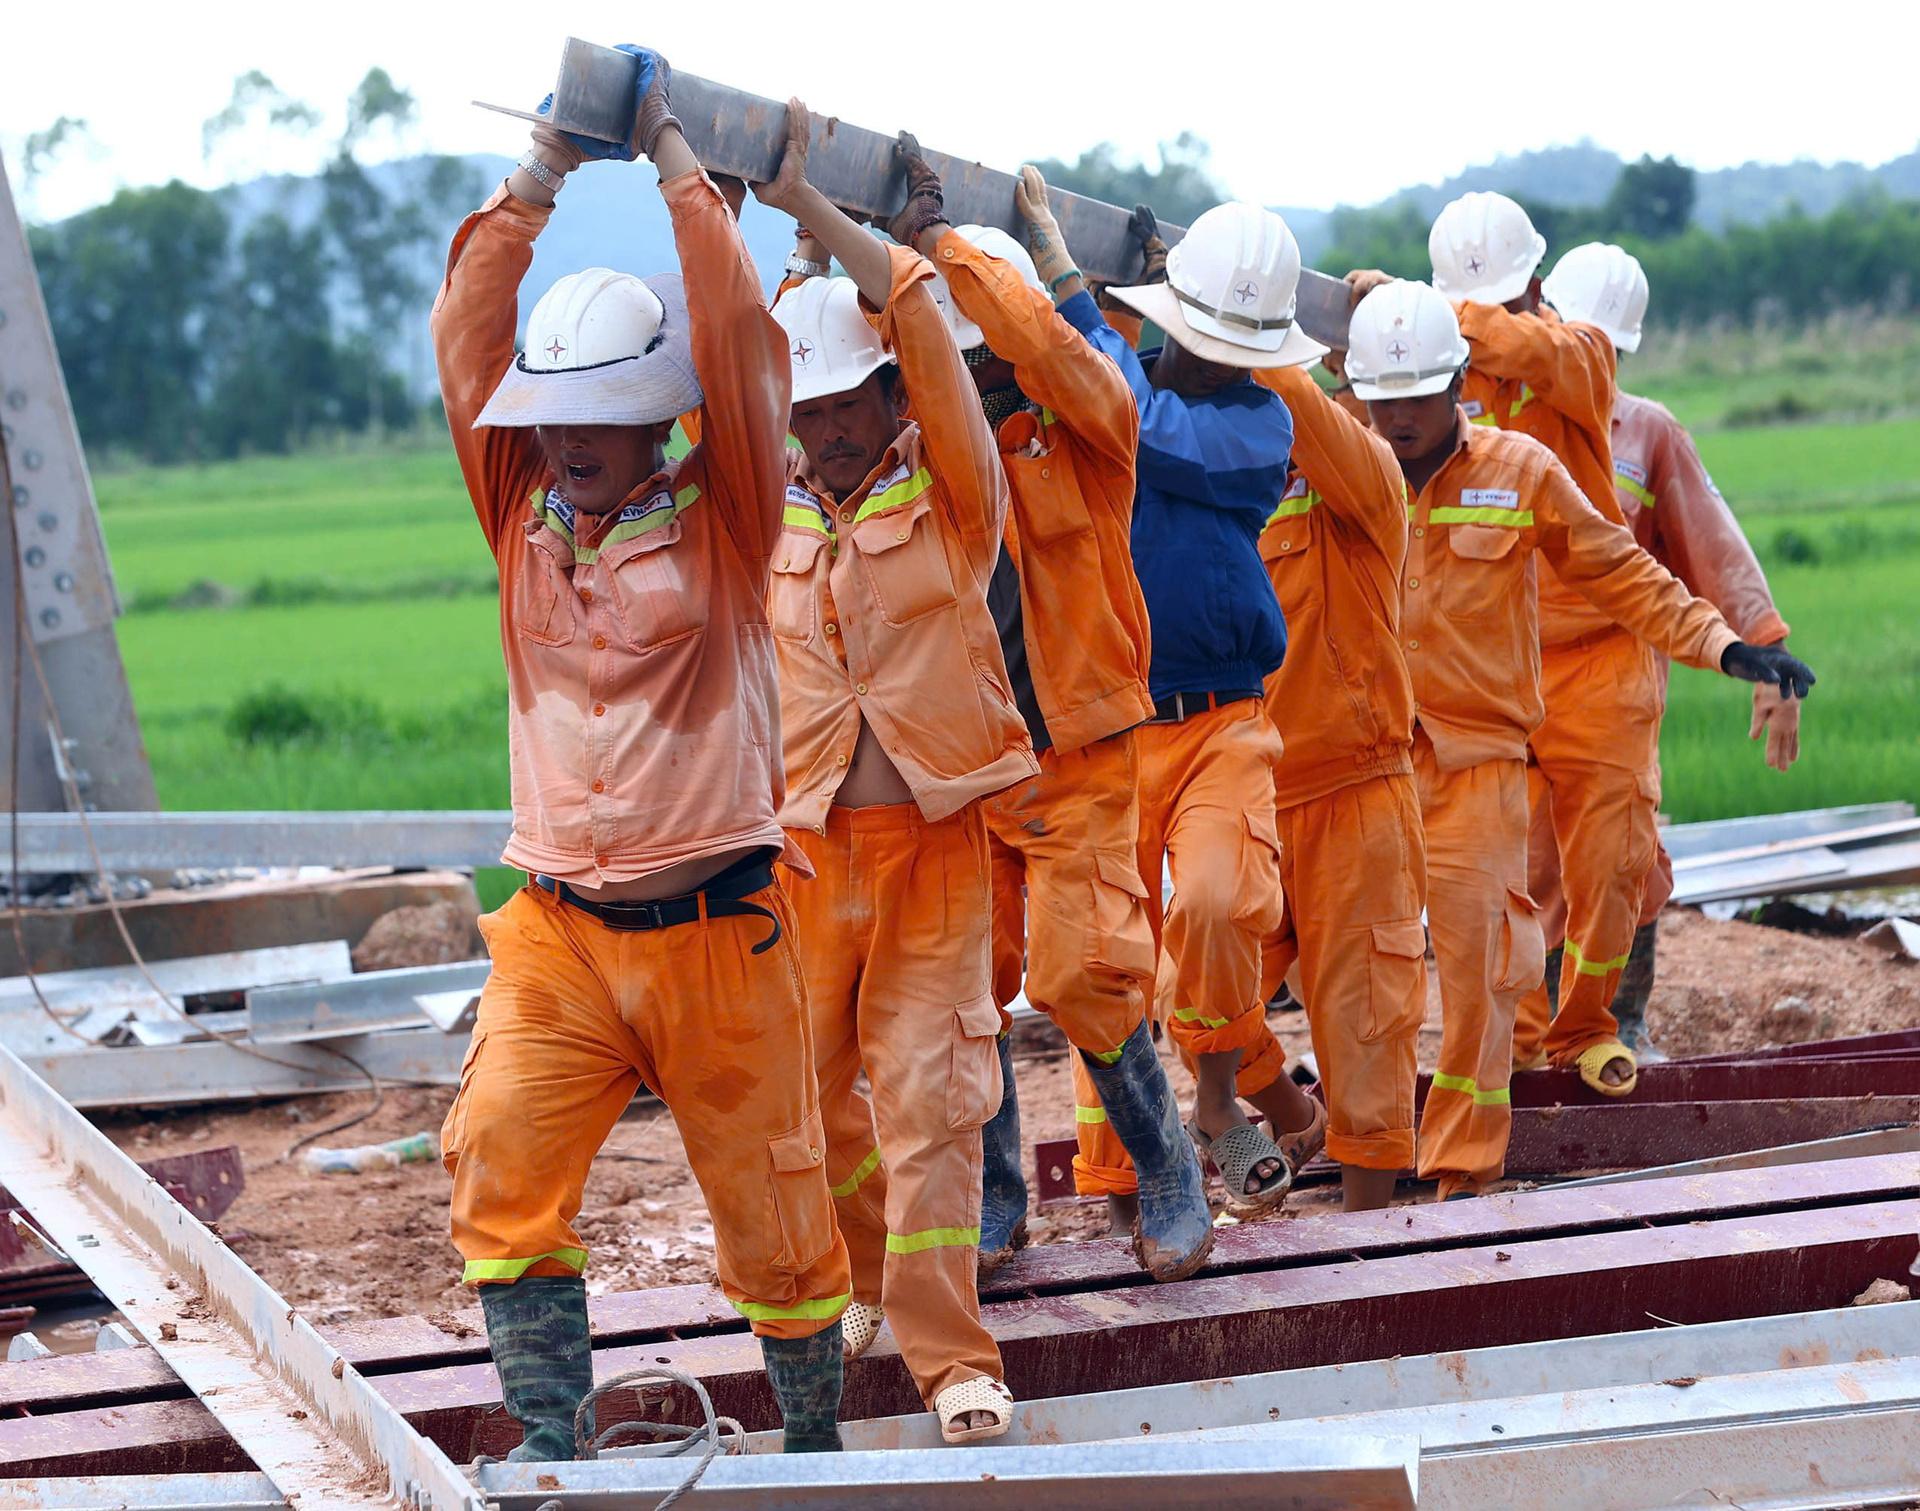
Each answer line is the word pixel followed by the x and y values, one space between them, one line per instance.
pixel 1350 467
pixel 1569 365
pixel 1699 535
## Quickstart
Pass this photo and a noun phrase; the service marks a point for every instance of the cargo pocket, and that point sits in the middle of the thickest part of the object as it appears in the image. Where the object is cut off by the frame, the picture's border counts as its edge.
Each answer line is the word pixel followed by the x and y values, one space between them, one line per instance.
pixel 1523 948
pixel 1119 937
pixel 973 1072
pixel 800 1199
pixel 453 1130
pixel 1258 903
pixel 1396 979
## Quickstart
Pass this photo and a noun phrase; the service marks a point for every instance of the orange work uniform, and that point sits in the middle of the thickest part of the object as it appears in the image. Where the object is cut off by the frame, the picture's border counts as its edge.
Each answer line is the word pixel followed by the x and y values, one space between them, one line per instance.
pixel 879 615
pixel 1595 756
pixel 1679 517
pixel 641 697
pixel 1470 630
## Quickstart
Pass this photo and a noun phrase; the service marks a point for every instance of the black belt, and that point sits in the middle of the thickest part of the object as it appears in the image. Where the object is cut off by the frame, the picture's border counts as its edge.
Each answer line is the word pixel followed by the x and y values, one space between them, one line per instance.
pixel 1178 706
pixel 723 896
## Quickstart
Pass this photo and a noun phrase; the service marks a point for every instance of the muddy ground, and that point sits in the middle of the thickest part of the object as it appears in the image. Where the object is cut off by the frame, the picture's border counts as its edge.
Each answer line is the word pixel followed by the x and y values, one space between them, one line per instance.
pixel 373 1245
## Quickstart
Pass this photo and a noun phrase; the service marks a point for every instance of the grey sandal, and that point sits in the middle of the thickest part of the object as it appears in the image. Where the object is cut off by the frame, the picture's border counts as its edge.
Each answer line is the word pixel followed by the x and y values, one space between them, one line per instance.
pixel 1235 1154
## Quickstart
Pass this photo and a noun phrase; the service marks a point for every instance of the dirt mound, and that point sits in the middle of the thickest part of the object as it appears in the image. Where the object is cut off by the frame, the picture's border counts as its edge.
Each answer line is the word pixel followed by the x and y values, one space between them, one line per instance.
pixel 434 933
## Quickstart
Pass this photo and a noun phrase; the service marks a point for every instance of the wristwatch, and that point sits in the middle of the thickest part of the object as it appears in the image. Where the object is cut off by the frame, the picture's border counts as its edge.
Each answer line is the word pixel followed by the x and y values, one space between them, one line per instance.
pixel 805 267
pixel 538 171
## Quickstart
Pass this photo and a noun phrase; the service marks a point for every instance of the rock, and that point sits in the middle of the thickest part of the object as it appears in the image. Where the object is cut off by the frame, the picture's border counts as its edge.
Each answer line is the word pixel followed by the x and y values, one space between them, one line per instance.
pixel 1882 1291
pixel 434 933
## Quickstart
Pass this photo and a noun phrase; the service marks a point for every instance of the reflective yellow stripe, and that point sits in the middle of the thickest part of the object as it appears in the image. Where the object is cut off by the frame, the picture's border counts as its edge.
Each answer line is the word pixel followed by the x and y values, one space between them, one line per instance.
pixel 646 522
pixel 803 518
pixel 1513 519
pixel 1089 1114
pixel 1621 480
pixel 1292 508
pixel 1108 1056
pixel 1047 416
pixel 1465 1086
pixel 1585 967
pixel 807 1311
pixel 903 492
pixel 932 1238
pixel 1526 398
pixel 1194 1015
pixel 513 1269
pixel 1483 419
pixel 865 1168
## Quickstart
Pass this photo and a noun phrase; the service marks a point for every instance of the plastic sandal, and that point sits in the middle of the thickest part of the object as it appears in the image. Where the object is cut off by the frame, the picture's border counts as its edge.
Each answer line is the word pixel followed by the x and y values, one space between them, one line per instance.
pixel 981 1393
pixel 1597 1057
pixel 859 1326
pixel 1235 1154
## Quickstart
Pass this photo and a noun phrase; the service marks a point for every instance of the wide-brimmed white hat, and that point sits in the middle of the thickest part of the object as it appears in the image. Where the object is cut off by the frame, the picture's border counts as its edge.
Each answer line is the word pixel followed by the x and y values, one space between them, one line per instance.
pixel 1230 291
pixel 603 348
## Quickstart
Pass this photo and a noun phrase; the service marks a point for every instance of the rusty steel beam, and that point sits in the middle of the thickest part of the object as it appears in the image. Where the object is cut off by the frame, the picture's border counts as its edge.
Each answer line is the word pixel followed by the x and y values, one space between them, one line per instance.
pixel 1628 1136
pixel 1741 1080
pixel 1900 1041
pixel 1327 1312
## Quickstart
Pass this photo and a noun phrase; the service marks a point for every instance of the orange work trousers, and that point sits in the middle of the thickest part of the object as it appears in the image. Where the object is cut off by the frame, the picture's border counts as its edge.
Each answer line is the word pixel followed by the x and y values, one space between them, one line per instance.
pixel 1080 934
pixel 894 935
pixel 1487 945
pixel 1594 789
pixel 574 1017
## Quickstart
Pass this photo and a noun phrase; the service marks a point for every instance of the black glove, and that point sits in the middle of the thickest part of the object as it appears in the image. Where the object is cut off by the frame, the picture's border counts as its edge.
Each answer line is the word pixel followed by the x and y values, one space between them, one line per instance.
pixel 1768 663
pixel 1145 226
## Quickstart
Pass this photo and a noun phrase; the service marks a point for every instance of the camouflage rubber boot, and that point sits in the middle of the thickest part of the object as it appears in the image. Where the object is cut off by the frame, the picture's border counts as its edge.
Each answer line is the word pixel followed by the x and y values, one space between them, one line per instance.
pixel 1636 986
pixel 806 1375
pixel 537 1329
pixel 1176 1229
pixel 1003 1197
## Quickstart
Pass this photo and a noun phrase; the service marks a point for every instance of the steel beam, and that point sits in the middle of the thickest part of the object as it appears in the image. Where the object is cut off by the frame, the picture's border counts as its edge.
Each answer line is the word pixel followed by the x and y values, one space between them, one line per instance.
pixel 310 1422
pixel 1901 1140
pixel 365 1003
pixel 1771 1080
pixel 1895 1042
pixel 169 841
pixel 205 1183
pixel 1687 841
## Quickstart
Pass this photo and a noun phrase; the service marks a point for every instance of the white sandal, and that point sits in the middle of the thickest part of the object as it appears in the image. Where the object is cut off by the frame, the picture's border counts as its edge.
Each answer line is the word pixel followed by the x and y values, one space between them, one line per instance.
pixel 981 1393
pixel 859 1326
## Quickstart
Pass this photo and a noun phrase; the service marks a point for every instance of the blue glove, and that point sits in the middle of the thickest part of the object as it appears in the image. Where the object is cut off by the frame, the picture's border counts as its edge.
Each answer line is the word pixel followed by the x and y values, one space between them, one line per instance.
pixel 653 76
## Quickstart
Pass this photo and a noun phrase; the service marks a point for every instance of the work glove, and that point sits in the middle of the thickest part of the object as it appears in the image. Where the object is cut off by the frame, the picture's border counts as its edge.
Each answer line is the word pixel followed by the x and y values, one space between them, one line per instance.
pixel 1145 226
pixel 652 113
pixel 1768 664
pixel 1050 257
pixel 1779 719
pixel 926 205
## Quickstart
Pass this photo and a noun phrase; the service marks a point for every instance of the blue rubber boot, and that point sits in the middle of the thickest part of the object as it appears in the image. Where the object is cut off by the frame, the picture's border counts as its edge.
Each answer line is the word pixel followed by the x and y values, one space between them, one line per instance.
pixel 1175 1232
pixel 806 1375
pixel 543 1350
pixel 1003 1199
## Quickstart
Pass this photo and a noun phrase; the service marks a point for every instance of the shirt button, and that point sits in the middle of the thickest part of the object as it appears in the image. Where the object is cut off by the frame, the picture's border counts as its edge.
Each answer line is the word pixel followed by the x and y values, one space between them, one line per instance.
pixel 947 252
pixel 1419 530
pixel 839 760
pixel 1413 645
pixel 860 688
pixel 846 517
pixel 599 709
pixel 1284 544
pixel 586 595
pixel 599 786
pixel 832 628
pixel 599 860
pixel 599 642
pixel 785 562
pixel 1046 472
pixel 813 1153
pixel 899 534
pixel 1413 582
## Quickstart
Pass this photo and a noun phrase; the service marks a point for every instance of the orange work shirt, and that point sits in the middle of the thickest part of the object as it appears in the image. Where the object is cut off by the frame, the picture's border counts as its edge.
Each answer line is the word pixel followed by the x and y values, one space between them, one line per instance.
pixel 1469 624
pixel 1334 547
pixel 878 600
pixel 1553 380
pixel 642 689
pixel 1069 533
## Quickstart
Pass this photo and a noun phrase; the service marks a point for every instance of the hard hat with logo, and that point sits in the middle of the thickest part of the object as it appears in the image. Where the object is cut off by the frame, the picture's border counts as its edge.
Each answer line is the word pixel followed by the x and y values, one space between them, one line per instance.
pixel 1404 342
pixel 1602 285
pixel 995 243
pixel 603 348
pixel 1229 294
pixel 1484 249
pixel 832 345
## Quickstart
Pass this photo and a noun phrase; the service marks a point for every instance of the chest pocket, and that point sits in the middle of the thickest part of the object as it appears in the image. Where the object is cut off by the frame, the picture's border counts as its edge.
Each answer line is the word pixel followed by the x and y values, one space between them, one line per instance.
pixel 542 592
pixel 1483 572
pixel 906 563
pixel 1047 504
pixel 792 603
pixel 659 591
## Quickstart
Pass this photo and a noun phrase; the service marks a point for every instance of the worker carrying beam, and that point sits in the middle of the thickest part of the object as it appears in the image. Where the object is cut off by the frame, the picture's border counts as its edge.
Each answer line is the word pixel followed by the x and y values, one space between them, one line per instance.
pixel 655 942
pixel 1485 501
pixel 897 721
pixel 1213 456
pixel 1073 628
pixel 1679 517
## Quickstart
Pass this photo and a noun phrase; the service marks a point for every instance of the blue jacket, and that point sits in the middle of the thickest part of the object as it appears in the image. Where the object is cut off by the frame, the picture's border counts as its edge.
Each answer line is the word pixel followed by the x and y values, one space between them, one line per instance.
pixel 1209 473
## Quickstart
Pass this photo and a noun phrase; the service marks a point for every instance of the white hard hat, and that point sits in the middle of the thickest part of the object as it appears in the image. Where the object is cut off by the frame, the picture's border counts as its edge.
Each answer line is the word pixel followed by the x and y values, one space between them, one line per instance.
pixel 1229 294
pixel 832 345
pixel 995 243
pixel 1484 249
pixel 1404 342
pixel 603 348
pixel 1603 285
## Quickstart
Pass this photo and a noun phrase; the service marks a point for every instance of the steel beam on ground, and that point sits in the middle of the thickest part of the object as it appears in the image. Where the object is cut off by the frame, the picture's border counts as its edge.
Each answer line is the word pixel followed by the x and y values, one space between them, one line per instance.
pixel 310 1422
pixel 359 1004
pixel 1685 841
pixel 1903 1140
pixel 1891 861
pixel 1722 1081
pixel 171 1074
pixel 1549 1141
pixel 1899 1041
pixel 172 841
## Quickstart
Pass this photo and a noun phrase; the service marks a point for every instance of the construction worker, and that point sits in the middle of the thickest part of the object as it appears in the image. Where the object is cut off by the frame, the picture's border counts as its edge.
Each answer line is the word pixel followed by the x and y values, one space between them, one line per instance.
pixel 1073 629
pixel 654 942
pixel 1596 753
pixel 1679 517
pixel 897 720
pixel 1485 501
pixel 1212 459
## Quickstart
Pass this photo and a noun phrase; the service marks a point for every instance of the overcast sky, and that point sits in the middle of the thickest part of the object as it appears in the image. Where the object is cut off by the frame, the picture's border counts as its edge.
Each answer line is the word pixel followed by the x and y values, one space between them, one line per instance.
pixel 1303 104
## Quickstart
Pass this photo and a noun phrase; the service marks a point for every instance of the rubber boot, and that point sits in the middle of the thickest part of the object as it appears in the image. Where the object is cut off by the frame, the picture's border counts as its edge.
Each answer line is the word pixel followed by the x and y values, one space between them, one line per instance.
pixel 1175 1232
pixel 806 1375
pixel 537 1329
pixel 1636 986
pixel 1003 1200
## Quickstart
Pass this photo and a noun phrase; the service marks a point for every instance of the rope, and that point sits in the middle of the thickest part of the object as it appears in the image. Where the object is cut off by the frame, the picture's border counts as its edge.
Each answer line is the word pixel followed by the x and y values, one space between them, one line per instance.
pixel 679 1439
